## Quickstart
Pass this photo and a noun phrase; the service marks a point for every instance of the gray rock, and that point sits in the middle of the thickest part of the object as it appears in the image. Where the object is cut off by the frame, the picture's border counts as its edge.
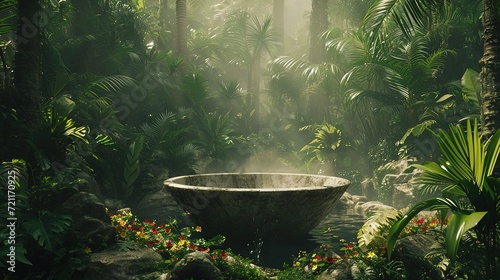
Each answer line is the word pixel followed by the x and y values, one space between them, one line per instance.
pixel 411 250
pixel 368 189
pixel 359 198
pixel 91 224
pixel 196 266
pixel 364 208
pixel 121 265
pixel 398 166
pixel 404 195
pixel 158 205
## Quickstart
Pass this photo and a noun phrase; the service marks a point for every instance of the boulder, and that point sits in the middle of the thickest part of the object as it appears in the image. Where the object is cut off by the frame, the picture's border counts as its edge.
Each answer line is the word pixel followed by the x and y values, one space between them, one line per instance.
pixel 364 208
pixel 196 266
pixel 91 224
pixel 368 189
pixel 404 195
pixel 412 249
pixel 158 205
pixel 398 166
pixel 112 264
pixel 345 202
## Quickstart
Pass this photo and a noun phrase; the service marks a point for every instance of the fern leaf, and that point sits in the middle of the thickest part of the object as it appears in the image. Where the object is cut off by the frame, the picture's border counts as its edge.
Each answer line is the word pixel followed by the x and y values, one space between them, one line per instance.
pixel 47 228
pixel 132 166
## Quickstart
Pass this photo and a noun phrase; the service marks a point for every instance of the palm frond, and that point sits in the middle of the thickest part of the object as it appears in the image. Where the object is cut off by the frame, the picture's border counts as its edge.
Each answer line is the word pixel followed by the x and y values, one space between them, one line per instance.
pixel 376 225
pixel 407 14
pixel 7 10
pixel 159 126
pixel 113 83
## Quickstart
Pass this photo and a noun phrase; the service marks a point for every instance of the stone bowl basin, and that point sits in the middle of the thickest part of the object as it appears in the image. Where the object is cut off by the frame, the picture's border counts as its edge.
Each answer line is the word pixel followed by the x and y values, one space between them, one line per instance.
pixel 257 205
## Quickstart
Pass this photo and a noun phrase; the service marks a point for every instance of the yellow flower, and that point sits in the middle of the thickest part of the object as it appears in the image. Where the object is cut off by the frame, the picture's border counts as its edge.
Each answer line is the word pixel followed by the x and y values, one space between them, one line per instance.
pixel 174 248
pixel 371 254
pixel 198 229
pixel 87 250
pixel 314 267
pixel 183 242
pixel 122 222
pixel 123 234
pixel 296 264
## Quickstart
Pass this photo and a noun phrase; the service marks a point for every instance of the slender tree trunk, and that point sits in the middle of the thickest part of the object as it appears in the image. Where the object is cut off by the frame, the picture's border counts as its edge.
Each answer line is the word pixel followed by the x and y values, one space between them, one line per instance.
pixel 279 24
pixel 27 76
pixel 27 72
pixel 180 44
pixel 162 19
pixel 490 100
pixel 490 73
pixel 319 23
pixel 255 90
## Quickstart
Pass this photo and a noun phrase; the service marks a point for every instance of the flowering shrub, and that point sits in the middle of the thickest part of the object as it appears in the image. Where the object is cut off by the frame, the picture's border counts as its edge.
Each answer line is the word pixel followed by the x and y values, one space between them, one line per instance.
pixel 324 258
pixel 168 240
pixel 367 259
pixel 424 224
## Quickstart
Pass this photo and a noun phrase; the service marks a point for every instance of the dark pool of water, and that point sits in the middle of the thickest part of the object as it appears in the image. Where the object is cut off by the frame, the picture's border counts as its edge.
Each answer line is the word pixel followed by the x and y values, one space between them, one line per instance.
pixel 343 226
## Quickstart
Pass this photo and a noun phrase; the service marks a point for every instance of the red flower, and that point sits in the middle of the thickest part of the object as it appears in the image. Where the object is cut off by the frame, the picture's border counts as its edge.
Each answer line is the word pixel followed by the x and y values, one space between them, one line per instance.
pixel 424 228
pixel 162 225
pixel 173 259
pixel 153 229
pixel 330 259
pixel 192 247
pixel 345 256
pixel 150 243
pixel 168 230
pixel 181 237
pixel 355 252
pixel 214 257
pixel 318 257
pixel 223 255
pixel 349 246
pixel 420 221
pixel 168 243
pixel 202 249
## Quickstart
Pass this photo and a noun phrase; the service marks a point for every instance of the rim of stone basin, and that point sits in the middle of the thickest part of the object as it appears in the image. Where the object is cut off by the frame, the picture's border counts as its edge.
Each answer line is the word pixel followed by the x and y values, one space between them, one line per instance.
pixel 330 182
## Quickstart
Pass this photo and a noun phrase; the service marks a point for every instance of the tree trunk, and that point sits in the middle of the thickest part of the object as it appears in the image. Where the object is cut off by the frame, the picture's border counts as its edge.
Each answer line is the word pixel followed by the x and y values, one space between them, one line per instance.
pixel 254 89
pixel 490 100
pixel 27 75
pixel 490 73
pixel 180 44
pixel 162 19
pixel 279 24
pixel 319 23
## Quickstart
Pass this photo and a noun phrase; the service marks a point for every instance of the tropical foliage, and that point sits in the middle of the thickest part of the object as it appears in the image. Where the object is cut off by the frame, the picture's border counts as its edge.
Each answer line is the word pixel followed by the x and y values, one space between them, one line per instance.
pixel 125 99
pixel 464 176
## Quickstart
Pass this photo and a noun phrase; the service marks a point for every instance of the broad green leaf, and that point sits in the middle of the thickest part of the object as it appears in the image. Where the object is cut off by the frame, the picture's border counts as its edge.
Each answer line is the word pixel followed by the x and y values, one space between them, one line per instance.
pixel 457 226
pixel 47 228
pixel 432 203
pixel 471 86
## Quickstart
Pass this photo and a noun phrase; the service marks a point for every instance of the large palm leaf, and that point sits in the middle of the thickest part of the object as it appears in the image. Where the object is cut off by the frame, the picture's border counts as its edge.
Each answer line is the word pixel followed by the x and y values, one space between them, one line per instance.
pixel 6 14
pixel 405 13
pixel 464 170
